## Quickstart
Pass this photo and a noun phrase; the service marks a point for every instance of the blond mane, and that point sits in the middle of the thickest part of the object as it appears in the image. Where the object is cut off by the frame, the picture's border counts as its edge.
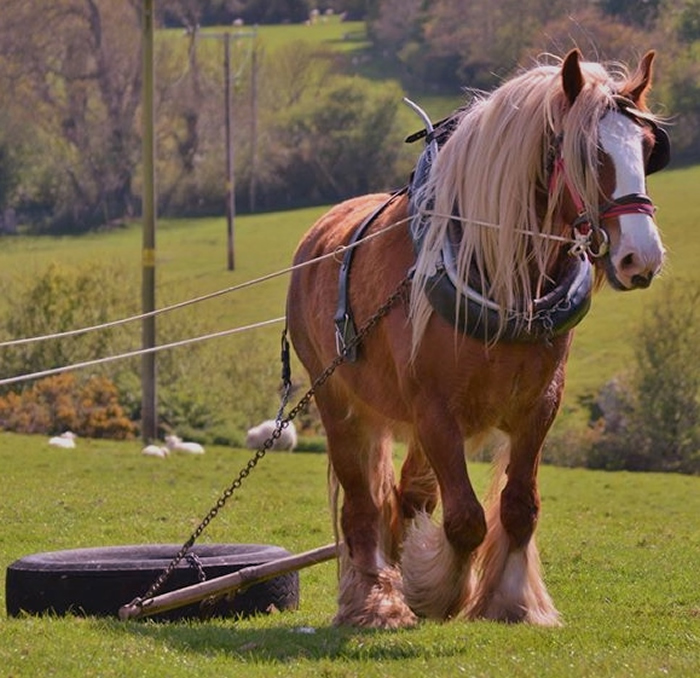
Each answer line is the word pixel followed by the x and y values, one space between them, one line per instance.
pixel 493 170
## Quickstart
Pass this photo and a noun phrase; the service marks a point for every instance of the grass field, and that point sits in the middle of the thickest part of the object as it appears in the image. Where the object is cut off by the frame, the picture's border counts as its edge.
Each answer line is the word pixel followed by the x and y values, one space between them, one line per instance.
pixel 619 550
pixel 328 32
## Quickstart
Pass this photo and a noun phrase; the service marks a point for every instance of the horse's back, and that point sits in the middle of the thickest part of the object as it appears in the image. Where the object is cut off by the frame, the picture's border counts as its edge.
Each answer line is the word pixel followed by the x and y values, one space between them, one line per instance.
pixel 335 228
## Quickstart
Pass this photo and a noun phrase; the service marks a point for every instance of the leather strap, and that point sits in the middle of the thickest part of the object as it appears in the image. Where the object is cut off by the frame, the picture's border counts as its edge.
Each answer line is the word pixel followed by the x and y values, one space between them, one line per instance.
pixel 345 329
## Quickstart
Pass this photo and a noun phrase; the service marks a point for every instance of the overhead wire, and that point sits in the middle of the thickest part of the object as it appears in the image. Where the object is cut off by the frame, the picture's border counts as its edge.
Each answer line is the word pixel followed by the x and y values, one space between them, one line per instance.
pixel 336 253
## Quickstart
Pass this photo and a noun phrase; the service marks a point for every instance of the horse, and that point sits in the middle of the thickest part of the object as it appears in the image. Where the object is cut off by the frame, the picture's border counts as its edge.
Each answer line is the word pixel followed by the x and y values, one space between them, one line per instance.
pixel 522 204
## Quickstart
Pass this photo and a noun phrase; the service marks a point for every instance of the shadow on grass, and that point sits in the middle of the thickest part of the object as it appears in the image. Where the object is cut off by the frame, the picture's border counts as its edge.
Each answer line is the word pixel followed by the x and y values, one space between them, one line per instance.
pixel 284 642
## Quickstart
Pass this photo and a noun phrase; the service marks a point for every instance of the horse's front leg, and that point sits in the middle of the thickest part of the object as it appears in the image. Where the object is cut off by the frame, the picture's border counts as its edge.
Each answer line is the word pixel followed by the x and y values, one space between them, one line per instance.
pixel 359 448
pixel 510 587
pixel 436 559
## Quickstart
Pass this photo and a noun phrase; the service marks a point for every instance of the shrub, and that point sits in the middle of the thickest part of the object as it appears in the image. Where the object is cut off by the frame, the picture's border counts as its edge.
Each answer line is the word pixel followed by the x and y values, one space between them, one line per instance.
pixel 570 443
pixel 65 298
pixel 89 408
pixel 652 422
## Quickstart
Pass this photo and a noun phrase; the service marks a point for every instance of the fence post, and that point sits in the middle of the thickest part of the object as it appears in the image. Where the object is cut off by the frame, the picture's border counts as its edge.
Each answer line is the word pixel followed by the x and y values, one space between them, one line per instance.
pixel 149 423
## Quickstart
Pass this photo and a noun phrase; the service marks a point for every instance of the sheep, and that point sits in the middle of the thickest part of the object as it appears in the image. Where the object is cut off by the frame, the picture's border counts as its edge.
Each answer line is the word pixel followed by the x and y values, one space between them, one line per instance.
pixel 259 434
pixel 176 444
pixel 155 451
pixel 65 440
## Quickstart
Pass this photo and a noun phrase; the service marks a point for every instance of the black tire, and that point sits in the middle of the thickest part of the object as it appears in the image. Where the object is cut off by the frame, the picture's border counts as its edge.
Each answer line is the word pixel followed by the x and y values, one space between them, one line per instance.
pixel 98 581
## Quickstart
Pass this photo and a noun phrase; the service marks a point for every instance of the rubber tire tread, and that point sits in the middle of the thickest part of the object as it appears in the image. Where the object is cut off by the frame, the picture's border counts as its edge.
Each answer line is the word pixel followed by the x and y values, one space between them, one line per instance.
pixel 98 581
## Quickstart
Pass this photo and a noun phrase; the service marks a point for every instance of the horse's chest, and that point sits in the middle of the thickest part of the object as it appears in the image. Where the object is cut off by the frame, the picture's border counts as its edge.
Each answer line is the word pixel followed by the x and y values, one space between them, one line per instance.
pixel 505 385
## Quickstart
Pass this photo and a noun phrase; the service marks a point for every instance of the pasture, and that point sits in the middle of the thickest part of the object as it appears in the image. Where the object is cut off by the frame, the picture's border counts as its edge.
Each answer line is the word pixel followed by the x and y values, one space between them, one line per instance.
pixel 327 33
pixel 619 550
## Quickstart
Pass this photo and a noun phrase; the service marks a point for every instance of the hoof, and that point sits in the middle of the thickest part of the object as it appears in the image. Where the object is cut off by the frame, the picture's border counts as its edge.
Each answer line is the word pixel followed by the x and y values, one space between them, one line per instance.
pixel 374 602
pixel 515 592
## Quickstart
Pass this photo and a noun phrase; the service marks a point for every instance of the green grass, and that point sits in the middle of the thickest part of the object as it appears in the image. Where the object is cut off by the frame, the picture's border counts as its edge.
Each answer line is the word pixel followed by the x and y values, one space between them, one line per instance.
pixel 349 36
pixel 330 34
pixel 619 552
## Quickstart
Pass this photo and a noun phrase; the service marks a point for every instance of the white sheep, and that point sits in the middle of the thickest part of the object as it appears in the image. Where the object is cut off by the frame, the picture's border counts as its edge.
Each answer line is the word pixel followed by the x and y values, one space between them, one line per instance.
pixel 65 440
pixel 155 451
pixel 259 434
pixel 176 444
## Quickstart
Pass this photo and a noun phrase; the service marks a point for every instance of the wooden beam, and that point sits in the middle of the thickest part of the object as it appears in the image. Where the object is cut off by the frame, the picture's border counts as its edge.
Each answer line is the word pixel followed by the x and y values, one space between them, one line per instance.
pixel 227 584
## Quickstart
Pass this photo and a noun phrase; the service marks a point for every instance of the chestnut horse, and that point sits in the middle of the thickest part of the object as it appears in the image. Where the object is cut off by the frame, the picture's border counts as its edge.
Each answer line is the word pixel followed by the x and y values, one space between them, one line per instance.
pixel 545 173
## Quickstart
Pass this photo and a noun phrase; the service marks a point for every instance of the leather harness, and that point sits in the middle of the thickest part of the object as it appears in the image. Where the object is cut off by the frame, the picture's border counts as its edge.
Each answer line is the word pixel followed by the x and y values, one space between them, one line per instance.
pixel 558 311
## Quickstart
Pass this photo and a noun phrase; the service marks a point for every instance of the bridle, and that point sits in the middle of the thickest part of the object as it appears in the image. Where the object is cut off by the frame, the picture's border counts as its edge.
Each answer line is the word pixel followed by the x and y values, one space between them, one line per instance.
pixel 585 225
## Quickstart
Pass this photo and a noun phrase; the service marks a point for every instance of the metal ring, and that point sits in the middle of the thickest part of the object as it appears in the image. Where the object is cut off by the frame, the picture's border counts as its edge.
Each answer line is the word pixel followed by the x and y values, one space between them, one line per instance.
pixel 604 246
pixel 338 253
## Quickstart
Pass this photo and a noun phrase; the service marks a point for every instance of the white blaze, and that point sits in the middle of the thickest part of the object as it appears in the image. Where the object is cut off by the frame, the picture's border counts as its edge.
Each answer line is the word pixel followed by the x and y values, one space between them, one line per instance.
pixel 639 250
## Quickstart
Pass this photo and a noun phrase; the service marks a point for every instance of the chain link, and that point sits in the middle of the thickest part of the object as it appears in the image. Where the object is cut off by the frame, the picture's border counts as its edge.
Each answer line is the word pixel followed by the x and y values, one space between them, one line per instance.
pixel 281 424
pixel 196 564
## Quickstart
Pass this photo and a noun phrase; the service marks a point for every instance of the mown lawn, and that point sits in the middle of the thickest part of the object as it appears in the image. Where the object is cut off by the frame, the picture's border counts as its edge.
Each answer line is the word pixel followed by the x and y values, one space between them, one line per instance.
pixel 620 556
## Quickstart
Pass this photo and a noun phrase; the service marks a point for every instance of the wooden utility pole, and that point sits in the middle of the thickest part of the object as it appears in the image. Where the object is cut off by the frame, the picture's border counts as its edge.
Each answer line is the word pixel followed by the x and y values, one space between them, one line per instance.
pixel 149 416
pixel 227 38
pixel 253 130
pixel 230 186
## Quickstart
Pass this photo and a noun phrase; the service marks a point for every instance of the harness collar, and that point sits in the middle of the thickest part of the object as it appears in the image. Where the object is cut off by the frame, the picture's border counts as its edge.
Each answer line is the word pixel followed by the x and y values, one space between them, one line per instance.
pixel 469 309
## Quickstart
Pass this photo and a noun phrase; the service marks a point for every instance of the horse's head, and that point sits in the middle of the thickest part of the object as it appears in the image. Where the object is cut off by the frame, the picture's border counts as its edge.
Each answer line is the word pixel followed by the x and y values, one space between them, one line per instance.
pixel 630 145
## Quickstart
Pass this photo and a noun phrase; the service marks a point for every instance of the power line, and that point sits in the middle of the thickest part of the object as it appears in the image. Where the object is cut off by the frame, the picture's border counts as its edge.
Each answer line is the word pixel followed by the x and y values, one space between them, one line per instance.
pixel 132 354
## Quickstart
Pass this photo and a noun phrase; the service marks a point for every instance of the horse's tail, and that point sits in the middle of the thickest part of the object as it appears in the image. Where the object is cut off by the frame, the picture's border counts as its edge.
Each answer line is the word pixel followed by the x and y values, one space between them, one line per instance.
pixel 334 501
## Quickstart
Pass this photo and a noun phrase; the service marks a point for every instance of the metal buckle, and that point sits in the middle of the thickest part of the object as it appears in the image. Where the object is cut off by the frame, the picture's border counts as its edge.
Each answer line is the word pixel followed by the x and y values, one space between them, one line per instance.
pixel 345 332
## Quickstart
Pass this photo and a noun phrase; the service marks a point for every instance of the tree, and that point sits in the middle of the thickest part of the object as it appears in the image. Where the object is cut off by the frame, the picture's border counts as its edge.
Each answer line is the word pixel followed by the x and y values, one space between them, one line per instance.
pixel 341 142
pixel 680 87
pixel 8 174
pixel 452 44
pixel 640 13
pixel 76 78
pixel 688 22
pixel 667 381
pixel 599 37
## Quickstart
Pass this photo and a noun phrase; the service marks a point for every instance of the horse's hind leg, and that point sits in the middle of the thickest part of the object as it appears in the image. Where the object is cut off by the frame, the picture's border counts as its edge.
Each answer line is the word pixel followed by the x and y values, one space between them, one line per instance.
pixel 370 588
pixel 510 586
pixel 418 489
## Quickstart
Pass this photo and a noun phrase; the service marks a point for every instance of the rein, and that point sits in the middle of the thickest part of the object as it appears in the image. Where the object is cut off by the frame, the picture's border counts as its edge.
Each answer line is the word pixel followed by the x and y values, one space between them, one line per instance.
pixel 578 242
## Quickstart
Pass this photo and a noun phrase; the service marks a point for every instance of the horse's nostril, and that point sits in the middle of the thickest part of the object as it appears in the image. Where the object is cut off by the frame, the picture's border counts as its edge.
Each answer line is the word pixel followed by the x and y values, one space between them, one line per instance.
pixel 642 281
pixel 627 261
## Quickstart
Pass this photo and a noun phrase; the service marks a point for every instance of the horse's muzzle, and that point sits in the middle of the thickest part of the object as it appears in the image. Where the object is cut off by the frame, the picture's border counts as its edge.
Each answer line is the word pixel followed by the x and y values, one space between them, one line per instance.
pixel 641 282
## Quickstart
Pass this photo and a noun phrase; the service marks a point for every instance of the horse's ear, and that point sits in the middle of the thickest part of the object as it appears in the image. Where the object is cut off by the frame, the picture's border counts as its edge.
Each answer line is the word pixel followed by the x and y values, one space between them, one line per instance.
pixel 571 76
pixel 640 83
